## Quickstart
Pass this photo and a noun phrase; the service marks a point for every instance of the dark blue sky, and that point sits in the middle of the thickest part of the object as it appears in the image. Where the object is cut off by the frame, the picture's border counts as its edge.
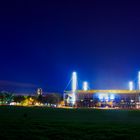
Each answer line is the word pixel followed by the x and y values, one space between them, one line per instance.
pixel 42 42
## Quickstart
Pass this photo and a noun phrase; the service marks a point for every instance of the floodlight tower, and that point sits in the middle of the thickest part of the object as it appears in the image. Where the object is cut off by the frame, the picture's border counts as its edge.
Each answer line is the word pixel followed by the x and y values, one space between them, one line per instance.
pixel 139 85
pixel 74 87
pixel 131 85
pixel 139 80
pixel 85 86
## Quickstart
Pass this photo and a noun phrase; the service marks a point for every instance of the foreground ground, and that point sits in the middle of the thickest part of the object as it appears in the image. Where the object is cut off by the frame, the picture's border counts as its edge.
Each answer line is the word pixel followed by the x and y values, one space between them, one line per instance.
pixel 34 123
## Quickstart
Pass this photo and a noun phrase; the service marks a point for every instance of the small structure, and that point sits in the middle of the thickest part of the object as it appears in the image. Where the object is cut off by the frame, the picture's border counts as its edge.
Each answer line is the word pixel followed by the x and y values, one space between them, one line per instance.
pixel 39 91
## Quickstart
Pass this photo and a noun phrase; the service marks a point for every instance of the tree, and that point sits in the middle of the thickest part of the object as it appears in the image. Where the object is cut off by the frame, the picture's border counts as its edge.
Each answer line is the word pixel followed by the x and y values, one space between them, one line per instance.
pixel 6 97
pixel 1 98
pixel 53 98
pixel 40 98
pixel 19 98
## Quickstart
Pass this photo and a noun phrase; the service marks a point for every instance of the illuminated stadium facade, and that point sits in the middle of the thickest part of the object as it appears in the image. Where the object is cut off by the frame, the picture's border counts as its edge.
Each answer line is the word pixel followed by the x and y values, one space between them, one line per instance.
pixel 102 98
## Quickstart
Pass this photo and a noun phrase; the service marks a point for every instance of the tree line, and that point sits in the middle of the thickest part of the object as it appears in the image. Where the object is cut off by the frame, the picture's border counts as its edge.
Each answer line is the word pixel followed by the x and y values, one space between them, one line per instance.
pixel 7 98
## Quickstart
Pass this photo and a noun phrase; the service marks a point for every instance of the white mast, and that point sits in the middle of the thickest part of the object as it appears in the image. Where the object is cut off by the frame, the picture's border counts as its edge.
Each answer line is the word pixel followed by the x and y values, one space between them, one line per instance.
pixel 85 86
pixel 131 85
pixel 74 87
pixel 139 80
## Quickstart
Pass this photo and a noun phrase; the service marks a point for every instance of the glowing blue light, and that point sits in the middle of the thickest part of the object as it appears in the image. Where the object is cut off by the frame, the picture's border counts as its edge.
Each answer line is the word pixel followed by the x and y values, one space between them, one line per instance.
pixel 106 98
pixel 131 85
pixel 112 97
pixel 85 86
pixel 74 87
pixel 139 80
pixel 101 96
pixel 74 81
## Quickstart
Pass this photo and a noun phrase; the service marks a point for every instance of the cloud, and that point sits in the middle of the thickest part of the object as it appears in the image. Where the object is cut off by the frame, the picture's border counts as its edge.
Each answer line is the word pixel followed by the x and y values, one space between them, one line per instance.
pixel 4 83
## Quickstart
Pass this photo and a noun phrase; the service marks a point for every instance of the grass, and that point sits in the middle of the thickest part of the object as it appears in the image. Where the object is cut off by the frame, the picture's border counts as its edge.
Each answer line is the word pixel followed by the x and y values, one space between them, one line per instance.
pixel 67 124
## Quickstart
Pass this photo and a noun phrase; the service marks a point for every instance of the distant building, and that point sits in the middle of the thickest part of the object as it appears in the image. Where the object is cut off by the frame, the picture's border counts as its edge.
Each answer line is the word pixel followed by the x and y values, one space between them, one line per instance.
pixel 116 98
pixel 104 98
pixel 39 91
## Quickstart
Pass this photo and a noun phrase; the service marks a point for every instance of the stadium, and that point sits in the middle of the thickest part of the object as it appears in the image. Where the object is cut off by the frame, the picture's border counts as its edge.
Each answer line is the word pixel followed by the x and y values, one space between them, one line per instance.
pixel 126 98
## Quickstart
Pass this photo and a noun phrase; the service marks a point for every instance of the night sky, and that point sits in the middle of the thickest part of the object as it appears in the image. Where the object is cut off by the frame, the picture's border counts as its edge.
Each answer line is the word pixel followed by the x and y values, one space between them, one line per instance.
pixel 43 42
